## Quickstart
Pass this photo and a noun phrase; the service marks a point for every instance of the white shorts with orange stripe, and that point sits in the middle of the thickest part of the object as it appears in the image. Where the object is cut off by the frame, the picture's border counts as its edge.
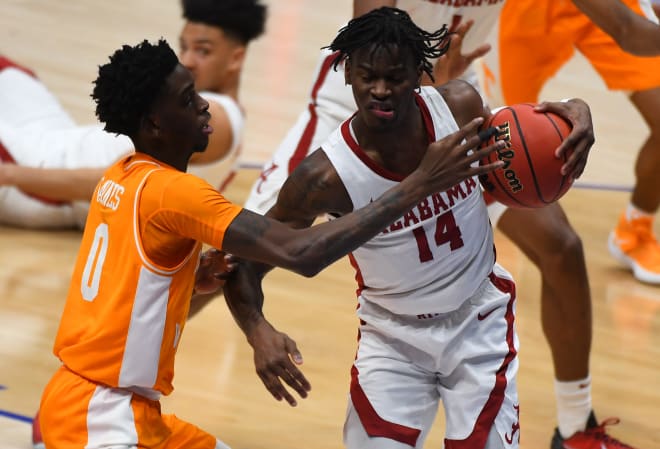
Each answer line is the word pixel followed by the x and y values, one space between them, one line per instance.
pixel 406 365
pixel 77 413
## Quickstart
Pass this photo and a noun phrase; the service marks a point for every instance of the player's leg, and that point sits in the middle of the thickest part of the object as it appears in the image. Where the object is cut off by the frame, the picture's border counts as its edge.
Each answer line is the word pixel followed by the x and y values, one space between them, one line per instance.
pixel 546 237
pixel 26 102
pixel 76 413
pixel 24 211
pixel 479 391
pixel 393 396
pixel 511 72
pixel 632 241
pixel 355 435
pixel 185 435
pixel 564 25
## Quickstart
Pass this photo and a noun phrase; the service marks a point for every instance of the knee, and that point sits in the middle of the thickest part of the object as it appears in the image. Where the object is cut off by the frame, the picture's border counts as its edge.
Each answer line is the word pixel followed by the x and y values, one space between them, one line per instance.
pixel 563 251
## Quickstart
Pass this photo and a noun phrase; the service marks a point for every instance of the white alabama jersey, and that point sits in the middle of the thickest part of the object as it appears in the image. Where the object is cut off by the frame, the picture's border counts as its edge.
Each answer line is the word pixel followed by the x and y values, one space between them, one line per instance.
pixel 434 257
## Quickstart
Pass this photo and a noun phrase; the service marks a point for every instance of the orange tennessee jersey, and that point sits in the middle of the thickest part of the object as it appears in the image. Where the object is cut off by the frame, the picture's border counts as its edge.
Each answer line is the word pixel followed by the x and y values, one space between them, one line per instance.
pixel 131 287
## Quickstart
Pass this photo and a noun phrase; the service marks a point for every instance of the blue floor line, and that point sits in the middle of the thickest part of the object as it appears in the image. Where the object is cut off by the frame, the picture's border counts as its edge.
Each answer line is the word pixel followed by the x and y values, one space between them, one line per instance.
pixel 16 416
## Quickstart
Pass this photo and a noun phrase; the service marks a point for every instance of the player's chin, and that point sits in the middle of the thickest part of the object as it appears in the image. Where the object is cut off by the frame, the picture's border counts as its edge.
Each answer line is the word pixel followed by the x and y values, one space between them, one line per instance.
pixel 200 146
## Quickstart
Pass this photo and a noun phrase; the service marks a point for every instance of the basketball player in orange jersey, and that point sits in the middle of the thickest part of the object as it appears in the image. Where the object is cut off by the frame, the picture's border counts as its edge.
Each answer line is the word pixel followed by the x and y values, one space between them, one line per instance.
pixel 535 38
pixel 545 235
pixel 48 173
pixel 136 268
pixel 436 310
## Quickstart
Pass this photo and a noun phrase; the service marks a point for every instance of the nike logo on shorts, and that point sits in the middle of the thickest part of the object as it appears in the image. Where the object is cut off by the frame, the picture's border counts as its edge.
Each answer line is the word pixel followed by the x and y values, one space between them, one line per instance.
pixel 483 316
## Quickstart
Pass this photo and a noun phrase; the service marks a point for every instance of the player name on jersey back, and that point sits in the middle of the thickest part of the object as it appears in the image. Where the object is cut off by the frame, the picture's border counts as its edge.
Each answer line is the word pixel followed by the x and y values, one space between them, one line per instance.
pixel 109 194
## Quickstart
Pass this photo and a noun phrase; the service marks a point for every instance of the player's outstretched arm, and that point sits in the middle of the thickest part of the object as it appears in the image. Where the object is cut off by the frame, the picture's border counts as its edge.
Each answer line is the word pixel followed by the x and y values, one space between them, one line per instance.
pixel 634 33
pixel 52 183
pixel 445 164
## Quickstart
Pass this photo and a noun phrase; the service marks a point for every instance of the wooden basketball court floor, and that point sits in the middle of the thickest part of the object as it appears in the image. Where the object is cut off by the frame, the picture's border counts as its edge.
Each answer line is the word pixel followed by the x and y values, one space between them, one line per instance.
pixel 216 387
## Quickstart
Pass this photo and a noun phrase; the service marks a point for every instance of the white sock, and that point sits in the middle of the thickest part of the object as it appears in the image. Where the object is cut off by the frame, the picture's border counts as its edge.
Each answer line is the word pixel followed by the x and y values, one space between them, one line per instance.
pixel 633 212
pixel 573 405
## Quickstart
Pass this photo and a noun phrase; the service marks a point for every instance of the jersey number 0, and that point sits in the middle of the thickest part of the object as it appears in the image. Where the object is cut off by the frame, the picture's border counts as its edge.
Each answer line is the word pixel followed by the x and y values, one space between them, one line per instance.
pixel 91 277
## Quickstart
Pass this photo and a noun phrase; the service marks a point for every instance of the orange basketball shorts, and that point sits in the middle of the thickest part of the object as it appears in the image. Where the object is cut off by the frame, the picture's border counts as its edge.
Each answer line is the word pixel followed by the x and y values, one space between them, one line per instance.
pixel 537 37
pixel 77 413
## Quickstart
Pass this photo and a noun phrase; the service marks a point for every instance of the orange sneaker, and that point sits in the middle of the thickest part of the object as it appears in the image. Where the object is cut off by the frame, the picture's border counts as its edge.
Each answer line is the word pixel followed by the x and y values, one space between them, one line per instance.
pixel 633 244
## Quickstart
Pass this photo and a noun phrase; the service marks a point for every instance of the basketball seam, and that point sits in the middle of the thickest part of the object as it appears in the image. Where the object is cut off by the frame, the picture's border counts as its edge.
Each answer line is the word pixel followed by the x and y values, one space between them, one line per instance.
pixel 565 158
pixel 530 164
pixel 497 178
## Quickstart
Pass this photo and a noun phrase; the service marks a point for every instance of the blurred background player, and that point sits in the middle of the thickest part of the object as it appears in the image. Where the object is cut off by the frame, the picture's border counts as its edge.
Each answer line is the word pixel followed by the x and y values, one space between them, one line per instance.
pixel 545 235
pixel 536 39
pixel 50 165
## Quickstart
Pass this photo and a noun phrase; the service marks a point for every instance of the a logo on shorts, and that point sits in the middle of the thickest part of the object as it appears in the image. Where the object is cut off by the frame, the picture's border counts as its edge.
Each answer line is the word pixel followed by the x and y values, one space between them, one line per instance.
pixel 515 427
pixel 483 316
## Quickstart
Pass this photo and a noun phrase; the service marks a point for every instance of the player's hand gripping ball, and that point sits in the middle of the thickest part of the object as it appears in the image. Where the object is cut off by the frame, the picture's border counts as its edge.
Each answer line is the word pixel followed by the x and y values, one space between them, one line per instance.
pixel 531 176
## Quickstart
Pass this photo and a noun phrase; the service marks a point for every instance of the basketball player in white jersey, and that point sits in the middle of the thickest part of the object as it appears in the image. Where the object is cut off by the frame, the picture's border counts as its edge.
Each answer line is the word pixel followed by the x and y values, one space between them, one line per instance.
pixel 436 311
pixel 545 235
pixel 50 165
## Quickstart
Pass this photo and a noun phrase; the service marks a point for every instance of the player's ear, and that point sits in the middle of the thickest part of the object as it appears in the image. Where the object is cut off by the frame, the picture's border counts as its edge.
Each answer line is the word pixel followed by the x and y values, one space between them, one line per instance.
pixel 236 58
pixel 347 71
pixel 150 124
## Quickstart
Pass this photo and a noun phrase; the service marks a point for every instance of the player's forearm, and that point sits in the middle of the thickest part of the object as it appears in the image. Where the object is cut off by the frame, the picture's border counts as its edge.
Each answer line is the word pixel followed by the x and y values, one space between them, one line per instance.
pixel 244 297
pixel 327 242
pixel 634 33
pixel 54 184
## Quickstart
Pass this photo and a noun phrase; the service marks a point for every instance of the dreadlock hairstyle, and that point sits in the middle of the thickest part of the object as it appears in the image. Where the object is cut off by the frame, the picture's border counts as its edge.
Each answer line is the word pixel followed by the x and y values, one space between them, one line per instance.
pixel 391 26
pixel 241 19
pixel 128 85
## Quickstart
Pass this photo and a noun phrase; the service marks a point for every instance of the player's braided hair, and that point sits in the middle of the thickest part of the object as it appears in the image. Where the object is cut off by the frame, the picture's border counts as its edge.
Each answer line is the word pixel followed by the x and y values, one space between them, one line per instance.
pixel 391 26
pixel 128 85
pixel 241 19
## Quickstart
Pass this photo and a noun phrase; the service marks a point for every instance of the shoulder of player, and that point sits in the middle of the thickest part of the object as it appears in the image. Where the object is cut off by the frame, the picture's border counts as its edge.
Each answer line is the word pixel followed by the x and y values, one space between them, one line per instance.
pixel 315 187
pixel 463 100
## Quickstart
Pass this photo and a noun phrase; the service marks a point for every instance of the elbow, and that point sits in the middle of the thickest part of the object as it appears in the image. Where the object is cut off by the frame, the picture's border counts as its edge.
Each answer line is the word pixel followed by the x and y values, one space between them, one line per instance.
pixel 307 260
pixel 307 266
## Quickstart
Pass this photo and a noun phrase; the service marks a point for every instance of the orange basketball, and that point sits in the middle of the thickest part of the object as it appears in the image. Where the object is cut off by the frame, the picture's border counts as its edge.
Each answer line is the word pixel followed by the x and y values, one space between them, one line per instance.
pixel 531 175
